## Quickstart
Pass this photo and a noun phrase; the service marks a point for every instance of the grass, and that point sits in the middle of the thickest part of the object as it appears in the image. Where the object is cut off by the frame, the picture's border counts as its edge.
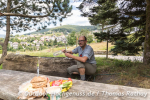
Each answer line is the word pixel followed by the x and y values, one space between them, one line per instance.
pixel 43 53
pixel 125 72
pixel 97 46
pixel 1 66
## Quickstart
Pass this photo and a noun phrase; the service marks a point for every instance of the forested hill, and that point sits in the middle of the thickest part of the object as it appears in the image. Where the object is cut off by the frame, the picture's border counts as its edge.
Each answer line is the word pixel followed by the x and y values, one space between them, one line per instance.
pixel 70 28
pixel 65 29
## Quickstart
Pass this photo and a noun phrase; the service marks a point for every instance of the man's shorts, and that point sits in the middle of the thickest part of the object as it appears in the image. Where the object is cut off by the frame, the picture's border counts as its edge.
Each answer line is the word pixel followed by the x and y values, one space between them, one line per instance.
pixel 90 69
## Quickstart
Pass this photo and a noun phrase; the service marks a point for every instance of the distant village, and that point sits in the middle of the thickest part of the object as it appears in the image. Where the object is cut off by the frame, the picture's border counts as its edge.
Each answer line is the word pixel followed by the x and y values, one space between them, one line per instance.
pixel 37 42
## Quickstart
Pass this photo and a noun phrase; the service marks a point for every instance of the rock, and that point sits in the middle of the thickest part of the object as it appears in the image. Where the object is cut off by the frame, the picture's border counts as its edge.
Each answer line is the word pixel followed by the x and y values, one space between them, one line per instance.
pixel 48 65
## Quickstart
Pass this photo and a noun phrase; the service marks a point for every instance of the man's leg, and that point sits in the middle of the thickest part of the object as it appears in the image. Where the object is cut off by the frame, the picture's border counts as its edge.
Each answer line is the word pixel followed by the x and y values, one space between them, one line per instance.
pixel 73 70
pixel 81 68
pixel 82 73
pixel 86 68
pixel 90 69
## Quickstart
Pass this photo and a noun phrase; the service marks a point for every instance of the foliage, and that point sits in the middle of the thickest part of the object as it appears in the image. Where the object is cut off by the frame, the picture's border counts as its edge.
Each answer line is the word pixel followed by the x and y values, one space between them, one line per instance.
pixel 1 66
pixel 90 39
pixel 85 32
pixel 65 29
pixel 125 16
pixel 55 42
pixel 20 47
pixel 60 44
pixel 124 72
pixel 0 47
pixel 70 28
pixel 71 38
pixel 23 15
pixel 0 51
pixel 27 8
pixel 1 39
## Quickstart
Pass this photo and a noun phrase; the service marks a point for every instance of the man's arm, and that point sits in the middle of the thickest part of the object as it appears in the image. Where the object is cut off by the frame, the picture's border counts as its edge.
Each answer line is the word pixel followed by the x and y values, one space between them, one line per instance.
pixel 69 52
pixel 64 51
pixel 82 59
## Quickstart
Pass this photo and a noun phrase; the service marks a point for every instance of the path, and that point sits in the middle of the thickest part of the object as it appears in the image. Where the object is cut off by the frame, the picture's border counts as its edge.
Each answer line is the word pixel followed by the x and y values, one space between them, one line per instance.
pixel 132 58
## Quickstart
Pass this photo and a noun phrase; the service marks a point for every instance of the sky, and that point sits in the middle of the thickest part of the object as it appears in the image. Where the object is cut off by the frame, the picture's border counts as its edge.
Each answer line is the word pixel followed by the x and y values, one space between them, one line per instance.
pixel 74 19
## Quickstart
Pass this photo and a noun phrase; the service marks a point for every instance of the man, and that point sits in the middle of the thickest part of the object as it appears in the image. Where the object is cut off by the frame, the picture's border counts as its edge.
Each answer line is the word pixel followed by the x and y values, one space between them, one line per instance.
pixel 86 63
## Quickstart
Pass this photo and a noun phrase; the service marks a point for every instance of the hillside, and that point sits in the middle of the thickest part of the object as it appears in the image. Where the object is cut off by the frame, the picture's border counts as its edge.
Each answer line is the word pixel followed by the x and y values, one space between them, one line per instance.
pixel 70 28
pixel 37 32
pixel 65 29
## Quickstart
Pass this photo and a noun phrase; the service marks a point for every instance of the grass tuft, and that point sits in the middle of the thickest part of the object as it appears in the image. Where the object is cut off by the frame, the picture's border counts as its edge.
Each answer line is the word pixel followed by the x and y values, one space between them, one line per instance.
pixel 1 66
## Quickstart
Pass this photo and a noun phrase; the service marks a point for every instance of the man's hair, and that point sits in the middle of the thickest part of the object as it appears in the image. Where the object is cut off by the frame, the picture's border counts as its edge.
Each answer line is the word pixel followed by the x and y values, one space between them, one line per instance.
pixel 85 38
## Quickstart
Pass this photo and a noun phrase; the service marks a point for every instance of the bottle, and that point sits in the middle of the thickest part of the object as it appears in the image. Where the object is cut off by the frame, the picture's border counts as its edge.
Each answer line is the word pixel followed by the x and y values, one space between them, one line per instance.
pixel 57 53
pixel 38 66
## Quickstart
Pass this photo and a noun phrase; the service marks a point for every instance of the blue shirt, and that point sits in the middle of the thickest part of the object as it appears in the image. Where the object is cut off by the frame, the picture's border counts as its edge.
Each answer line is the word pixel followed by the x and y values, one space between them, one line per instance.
pixel 88 52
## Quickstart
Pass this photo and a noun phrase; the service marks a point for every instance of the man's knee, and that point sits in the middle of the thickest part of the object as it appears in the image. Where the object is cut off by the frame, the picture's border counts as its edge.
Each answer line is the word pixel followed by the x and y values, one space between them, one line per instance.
pixel 69 70
pixel 80 64
pixel 72 69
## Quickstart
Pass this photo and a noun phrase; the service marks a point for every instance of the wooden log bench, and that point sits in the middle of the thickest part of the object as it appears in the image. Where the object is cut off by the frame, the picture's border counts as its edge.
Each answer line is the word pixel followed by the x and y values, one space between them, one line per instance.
pixel 11 80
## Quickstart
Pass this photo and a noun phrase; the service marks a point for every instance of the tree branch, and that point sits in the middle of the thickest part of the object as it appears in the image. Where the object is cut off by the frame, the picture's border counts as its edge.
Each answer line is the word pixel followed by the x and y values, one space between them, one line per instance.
pixel 111 26
pixel 135 15
pixel 2 10
pixel 1 43
pixel 22 15
pixel 15 7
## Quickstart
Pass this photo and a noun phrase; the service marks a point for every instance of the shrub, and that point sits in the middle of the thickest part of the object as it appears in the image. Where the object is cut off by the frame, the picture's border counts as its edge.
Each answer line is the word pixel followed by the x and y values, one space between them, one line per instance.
pixel 22 50
pixel 1 66
pixel 0 51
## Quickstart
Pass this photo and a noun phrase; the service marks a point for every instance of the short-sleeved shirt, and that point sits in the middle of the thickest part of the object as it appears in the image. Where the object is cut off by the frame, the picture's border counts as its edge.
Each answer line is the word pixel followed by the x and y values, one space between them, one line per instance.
pixel 88 52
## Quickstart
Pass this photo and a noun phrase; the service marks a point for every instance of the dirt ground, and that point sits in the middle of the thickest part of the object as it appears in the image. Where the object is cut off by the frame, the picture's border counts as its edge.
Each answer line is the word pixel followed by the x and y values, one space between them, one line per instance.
pixel 101 78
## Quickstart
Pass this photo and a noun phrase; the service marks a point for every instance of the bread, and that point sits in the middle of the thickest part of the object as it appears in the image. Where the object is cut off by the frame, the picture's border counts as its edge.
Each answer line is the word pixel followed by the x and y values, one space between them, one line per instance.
pixel 39 85
pixel 39 82
pixel 38 79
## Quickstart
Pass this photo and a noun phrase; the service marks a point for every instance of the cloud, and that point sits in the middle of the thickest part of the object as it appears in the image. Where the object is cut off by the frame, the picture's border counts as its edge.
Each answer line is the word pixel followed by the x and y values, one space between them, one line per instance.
pixel 75 4
pixel 76 19
pixel 2 33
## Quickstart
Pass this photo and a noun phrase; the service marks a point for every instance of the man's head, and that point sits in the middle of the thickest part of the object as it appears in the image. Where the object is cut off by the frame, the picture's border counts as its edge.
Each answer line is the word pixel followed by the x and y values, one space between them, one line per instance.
pixel 82 41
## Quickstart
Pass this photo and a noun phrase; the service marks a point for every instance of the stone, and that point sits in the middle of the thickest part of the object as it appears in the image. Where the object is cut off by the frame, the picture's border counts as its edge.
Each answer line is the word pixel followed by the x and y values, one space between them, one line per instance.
pixel 48 65
pixel 81 90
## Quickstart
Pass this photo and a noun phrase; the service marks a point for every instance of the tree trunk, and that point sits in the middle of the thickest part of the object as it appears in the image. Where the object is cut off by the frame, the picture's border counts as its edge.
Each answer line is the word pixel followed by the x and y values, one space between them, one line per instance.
pixel 107 45
pixel 4 47
pixel 146 59
pixel 107 50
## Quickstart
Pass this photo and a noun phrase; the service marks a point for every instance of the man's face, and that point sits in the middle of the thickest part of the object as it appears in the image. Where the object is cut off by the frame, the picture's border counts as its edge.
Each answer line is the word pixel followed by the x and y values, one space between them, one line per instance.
pixel 82 42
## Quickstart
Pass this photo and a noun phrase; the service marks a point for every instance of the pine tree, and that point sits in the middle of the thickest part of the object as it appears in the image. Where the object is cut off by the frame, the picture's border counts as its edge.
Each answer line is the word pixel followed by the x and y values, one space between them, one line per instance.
pixel 132 13
pixel 22 15
pixel 97 16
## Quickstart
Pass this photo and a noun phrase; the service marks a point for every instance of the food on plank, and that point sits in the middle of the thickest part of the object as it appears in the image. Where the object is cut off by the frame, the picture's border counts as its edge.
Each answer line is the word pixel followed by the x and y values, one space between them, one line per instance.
pixel 39 82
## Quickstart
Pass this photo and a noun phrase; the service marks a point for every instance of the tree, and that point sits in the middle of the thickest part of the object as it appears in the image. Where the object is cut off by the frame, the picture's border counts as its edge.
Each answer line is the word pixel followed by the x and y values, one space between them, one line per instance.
pixel 71 38
pixel 90 39
pixel 86 33
pixel 55 41
pixel 146 59
pixel 22 15
pixel 97 16
pixel 133 13
pixel 20 47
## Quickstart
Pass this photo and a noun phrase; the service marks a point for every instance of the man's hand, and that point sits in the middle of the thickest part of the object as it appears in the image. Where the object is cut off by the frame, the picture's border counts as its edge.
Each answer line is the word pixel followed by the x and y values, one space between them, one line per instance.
pixel 63 50
pixel 68 55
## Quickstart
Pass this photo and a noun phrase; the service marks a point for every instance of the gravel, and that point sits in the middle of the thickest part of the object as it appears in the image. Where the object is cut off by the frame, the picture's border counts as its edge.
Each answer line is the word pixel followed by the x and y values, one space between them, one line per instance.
pixel 132 58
